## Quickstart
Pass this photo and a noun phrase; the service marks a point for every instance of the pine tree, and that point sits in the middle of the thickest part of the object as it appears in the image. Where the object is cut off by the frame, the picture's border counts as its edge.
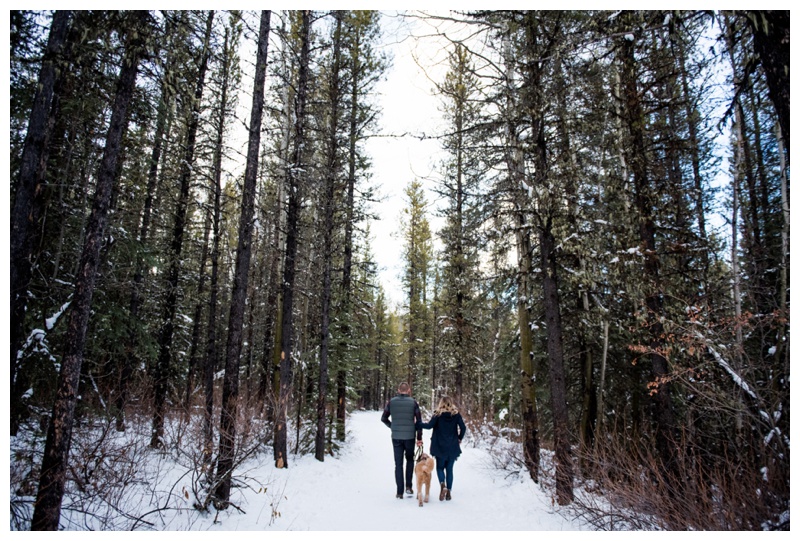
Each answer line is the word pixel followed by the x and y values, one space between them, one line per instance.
pixel 161 377
pixel 233 350
pixel 227 82
pixel 417 252
pixel 165 103
pixel 771 43
pixel 334 102
pixel 365 65
pixel 460 189
pixel 47 509
pixel 294 188
pixel 28 198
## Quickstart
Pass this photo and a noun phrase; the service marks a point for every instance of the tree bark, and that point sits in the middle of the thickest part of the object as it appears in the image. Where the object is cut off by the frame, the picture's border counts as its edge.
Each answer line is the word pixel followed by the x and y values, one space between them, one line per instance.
pixel 233 350
pixel 331 169
pixel 292 220
pixel 47 508
pixel 29 200
pixel 194 346
pixel 771 44
pixel 599 431
pixel 513 158
pixel 782 349
pixel 347 267
pixel 272 333
pixel 555 354
pixel 653 302
pixel 210 360
pixel 530 415
pixel 694 149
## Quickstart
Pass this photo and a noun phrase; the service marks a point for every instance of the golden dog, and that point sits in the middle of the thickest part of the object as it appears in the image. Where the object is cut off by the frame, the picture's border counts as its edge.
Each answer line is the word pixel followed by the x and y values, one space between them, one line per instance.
pixel 423 471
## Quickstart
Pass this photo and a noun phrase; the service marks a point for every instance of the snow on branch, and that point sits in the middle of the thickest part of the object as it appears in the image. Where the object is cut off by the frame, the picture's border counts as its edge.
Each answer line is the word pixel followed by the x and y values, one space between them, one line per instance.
pixel 737 379
pixel 770 420
pixel 37 339
pixel 52 320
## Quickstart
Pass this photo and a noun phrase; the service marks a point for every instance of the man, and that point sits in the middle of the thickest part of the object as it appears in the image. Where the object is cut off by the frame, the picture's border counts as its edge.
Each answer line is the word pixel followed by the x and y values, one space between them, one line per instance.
pixel 401 414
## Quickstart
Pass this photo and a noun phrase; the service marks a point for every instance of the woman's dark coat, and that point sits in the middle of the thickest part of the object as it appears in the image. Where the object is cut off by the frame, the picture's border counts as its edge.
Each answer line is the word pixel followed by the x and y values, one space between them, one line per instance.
pixel 448 431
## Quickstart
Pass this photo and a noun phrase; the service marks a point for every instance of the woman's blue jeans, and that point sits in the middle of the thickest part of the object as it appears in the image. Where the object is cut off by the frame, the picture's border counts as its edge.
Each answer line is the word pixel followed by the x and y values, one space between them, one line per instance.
pixel 444 470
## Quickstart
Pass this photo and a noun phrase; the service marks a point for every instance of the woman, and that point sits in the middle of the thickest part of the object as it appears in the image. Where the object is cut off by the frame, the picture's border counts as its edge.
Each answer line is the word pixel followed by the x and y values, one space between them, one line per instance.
pixel 448 431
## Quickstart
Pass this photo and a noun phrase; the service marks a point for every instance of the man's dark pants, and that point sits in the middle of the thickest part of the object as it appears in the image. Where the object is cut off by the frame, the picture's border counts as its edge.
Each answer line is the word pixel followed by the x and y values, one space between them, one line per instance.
pixel 402 447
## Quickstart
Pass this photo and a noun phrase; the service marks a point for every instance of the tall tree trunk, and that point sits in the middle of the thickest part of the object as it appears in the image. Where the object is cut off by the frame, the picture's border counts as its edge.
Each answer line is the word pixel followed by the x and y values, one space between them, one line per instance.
pixel 47 508
pixel 750 214
pixel 514 163
pixel 233 350
pixel 331 169
pixel 413 304
pixel 251 309
pixel 752 232
pixel 292 220
pixel 530 415
pixel 782 349
pixel 138 276
pixel 570 176
pixel 599 431
pixel 29 198
pixel 460 267
pixel 761 173
pixel 735 271
pixel 194 346
pixel 662 397
pixel 272 333
pixel 347 266
pixel 555 354
pixel 549 270
pixel 210 360
pixel 266 393
pixel 771 44
pixel 161 375
pixel 692 117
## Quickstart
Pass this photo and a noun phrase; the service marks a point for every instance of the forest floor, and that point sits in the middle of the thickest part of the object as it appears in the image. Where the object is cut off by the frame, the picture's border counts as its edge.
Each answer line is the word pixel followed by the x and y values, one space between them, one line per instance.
pixel 355 491
pixel 120 483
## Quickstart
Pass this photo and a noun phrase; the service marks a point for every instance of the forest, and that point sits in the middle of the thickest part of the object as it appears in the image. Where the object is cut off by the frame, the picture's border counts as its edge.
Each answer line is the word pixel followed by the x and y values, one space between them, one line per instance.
pixel 192 262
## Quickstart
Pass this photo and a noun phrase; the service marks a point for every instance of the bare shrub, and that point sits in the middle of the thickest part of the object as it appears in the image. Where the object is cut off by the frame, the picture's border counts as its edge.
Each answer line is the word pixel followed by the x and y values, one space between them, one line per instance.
pixel 630 489
pixel 26 457
pixel 116 481
pixel 252 432
pixel 506 454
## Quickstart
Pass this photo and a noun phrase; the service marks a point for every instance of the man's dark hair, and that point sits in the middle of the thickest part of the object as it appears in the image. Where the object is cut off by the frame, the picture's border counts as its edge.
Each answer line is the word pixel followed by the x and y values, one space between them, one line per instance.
pixel 404 388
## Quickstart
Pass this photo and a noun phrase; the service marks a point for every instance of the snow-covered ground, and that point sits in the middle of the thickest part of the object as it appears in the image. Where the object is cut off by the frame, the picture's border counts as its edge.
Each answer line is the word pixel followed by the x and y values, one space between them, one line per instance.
pixel 355 491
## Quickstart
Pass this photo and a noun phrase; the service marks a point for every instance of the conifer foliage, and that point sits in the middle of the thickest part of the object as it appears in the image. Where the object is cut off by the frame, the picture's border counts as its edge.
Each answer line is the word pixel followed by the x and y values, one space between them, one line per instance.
pixel 598 265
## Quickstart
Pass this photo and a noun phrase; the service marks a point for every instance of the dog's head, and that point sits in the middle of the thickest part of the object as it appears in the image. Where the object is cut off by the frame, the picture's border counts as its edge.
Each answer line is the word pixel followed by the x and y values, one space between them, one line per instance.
pixel 423 457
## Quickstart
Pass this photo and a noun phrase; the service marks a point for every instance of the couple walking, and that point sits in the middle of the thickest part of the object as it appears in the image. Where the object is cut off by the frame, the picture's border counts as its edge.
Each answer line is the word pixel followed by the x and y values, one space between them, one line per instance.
pixel 403 416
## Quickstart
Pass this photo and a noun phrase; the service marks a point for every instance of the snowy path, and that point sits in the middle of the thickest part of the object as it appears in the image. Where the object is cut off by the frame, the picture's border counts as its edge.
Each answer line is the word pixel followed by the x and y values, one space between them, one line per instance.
pixel 356 492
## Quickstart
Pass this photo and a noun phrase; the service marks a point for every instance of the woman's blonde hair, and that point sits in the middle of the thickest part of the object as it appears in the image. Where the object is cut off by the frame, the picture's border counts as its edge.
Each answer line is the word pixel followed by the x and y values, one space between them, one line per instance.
pixel 446 404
